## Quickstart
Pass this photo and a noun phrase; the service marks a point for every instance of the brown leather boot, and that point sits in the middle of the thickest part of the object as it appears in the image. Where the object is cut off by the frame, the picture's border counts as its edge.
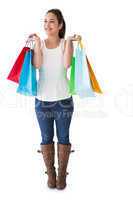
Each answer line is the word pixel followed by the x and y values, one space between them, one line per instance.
pixel 48 152
pixel 63 152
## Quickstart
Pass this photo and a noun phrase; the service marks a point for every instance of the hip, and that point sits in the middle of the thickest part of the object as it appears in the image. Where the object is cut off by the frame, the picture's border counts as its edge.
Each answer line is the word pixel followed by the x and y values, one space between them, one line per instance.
pixel 63 104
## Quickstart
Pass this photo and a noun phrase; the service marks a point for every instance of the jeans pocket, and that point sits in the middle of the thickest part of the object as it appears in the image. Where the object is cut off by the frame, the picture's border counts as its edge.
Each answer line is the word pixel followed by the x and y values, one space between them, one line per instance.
pixel 67 103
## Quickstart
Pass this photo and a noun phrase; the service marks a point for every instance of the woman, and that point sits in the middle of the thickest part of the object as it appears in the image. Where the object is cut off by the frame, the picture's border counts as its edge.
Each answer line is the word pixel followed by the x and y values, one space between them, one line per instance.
pixel 53 102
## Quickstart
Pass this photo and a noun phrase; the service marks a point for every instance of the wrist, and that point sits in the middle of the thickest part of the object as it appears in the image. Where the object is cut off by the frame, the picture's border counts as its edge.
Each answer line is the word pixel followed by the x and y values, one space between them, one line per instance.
pixel 37 45
pixel 37 49
pixel 69 42
pixel 69 39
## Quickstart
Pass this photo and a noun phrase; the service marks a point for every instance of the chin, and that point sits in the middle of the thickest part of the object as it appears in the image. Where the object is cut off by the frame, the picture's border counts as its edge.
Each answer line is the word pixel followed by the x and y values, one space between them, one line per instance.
pixel 50 34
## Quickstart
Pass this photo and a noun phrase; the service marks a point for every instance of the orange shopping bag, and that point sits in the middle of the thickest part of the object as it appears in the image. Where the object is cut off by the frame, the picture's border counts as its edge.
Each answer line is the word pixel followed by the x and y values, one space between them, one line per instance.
pixel 94 82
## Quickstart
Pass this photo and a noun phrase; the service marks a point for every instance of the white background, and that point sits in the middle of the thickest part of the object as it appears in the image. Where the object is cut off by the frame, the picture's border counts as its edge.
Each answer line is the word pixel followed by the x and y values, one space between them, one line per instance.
pixel 101 130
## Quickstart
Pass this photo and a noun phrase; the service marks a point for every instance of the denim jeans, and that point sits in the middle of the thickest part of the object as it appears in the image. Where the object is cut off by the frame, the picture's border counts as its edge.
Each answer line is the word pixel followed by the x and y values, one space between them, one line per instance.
pixel 61 112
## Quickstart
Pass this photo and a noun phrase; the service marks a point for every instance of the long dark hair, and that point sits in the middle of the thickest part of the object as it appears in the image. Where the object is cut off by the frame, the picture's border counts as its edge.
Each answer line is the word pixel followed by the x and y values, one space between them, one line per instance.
pixel 61 20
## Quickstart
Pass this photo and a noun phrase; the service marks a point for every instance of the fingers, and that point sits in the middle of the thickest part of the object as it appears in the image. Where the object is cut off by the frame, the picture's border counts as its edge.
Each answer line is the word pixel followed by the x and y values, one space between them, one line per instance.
pixel 77 37
pixel 33 37
pixel 33 34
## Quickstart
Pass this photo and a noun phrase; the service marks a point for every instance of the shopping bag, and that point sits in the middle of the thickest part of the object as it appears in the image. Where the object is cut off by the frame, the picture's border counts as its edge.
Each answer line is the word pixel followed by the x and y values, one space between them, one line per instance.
pixel 72 77
pixel 28 81
pixel 83 85
pixel 94 82
pixel 14 74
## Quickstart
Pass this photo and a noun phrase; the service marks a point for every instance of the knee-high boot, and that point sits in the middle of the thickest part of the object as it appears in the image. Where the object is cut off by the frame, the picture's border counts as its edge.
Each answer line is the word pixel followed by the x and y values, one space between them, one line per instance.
pixel 63 152
pixel 48 152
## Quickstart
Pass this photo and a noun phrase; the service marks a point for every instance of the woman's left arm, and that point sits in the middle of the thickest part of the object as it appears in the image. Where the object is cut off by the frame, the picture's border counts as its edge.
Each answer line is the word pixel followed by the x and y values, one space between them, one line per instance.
pixel 68 52
pixel 68 49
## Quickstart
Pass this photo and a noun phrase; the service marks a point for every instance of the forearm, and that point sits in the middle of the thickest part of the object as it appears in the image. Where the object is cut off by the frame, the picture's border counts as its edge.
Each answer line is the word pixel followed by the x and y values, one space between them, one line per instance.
pixel 37 57
pixel 68 53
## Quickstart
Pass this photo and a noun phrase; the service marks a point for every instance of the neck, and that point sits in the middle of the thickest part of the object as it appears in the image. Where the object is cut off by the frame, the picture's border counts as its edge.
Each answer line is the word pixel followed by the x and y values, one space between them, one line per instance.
pixel 53 39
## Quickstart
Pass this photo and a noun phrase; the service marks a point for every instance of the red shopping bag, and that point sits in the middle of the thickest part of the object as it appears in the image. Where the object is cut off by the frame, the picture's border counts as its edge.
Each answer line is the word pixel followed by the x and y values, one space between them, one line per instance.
pixel 16 69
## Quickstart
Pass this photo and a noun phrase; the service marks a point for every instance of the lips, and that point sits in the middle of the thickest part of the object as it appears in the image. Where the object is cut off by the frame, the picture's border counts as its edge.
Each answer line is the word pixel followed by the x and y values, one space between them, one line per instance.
pixel 48 29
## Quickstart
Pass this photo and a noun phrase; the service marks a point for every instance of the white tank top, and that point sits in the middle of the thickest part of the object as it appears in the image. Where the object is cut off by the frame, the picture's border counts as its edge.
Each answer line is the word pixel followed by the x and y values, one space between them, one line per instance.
pixel 53 82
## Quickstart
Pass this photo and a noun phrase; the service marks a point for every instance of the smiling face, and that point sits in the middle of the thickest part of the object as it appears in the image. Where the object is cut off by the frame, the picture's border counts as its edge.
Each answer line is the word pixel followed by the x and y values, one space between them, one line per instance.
pixel 51 25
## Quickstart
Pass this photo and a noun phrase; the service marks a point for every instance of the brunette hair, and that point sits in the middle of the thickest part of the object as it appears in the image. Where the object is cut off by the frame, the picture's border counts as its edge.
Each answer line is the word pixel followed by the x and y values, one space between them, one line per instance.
pixel 61 20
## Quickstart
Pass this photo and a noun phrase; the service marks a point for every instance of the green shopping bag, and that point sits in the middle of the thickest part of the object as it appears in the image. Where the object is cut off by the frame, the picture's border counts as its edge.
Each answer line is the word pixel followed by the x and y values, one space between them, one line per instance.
pixel 72 77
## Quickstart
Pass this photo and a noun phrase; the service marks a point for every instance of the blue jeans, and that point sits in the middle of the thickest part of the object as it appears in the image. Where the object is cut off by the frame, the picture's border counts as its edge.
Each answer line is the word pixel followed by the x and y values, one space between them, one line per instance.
pixel 59 111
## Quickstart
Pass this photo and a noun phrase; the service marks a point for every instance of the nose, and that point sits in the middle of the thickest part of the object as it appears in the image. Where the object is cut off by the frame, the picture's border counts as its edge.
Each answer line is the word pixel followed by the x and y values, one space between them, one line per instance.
pixel 46 25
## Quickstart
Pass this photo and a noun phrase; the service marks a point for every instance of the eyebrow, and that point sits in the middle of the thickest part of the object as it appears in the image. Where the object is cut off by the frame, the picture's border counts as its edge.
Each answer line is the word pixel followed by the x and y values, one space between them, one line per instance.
pixel 50 19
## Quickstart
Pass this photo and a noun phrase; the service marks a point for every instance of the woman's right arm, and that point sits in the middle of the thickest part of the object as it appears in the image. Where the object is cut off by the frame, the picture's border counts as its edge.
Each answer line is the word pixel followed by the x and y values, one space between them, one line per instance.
pixel 37 52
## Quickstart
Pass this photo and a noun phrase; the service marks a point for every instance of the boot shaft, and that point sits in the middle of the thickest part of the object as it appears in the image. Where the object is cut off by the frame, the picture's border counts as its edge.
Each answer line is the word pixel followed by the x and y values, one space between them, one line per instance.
pixel 48 152
pixel 63 152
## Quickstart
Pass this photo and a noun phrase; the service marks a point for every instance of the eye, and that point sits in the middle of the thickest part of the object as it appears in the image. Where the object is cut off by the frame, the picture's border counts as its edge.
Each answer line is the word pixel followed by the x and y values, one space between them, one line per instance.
pixel 51 21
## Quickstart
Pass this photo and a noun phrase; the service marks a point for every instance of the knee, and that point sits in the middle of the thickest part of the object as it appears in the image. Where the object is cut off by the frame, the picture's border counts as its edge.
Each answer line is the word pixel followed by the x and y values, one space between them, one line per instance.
pixel 46 141
pixel 47 138
pixel 63 139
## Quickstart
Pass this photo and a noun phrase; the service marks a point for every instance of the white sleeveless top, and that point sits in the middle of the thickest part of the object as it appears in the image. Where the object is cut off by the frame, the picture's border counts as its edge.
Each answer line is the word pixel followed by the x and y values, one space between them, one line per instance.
pixel 53 82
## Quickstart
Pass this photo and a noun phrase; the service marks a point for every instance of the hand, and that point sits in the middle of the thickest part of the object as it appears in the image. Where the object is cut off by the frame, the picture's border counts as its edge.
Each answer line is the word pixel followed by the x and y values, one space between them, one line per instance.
pixel 75 38
pixel 34 37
